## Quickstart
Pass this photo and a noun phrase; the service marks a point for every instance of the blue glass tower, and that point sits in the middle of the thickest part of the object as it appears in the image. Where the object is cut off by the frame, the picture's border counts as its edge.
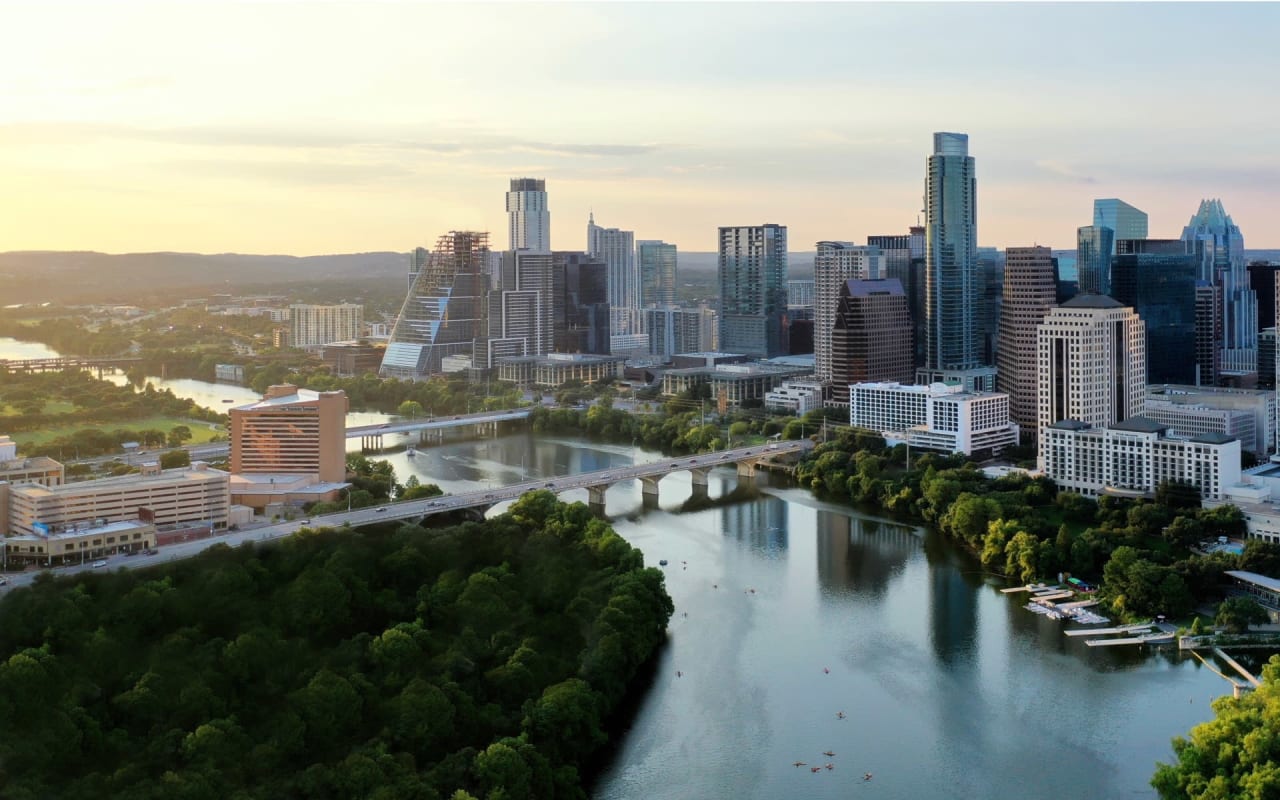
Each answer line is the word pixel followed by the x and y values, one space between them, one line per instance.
pixel 952 297
pixel 1157 277
pixel 1222 264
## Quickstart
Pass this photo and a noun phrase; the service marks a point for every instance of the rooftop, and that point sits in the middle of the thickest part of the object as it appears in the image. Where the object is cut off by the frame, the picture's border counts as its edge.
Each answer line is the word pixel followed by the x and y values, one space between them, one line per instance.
pixel 1265 582
pixel 198 471
pixel 1139 425
pixel 1089 300
pixel 1070 425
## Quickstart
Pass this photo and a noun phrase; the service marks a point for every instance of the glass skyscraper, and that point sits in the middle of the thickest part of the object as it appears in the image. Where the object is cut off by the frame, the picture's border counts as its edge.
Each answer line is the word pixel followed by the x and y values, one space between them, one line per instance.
pixel 752 273
pixel 952 291
pixel 1223 265
pixel 657 263
pixel 1113 220
pixel 1157 277
pixel 1123 219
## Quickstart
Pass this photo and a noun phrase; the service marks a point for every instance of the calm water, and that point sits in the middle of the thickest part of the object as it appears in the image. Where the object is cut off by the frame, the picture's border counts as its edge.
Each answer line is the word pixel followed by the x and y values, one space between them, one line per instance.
pixel 950 689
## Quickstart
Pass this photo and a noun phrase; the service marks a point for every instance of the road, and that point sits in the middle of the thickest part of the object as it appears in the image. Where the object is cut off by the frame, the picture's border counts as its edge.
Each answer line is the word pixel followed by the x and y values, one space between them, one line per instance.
pixel 426 507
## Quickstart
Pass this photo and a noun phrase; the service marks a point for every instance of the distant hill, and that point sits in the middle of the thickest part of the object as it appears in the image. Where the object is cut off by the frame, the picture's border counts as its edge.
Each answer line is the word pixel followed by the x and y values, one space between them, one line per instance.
pixel 38 276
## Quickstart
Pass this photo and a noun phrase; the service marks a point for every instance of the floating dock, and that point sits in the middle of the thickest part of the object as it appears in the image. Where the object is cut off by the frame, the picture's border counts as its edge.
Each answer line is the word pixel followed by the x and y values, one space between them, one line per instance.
pixel 1104 631
pixel 1039 587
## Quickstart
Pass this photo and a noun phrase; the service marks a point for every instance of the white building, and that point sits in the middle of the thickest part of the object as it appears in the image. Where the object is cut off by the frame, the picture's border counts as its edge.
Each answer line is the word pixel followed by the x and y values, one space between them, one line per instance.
pixel 528 218
pixel 313 326
pixel 938 416
pixel 796 397
pixel 617 249
pixel 629 344
pixel 1093 362
pixel 1133 457
pixel 1247 414
pixel 834 265
pixel 673 330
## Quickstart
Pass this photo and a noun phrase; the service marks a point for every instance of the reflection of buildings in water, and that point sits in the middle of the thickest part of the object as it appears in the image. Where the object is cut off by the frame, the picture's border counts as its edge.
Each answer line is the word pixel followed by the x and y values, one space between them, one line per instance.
pixel 953 601
pixel 861 554
pixel 762 523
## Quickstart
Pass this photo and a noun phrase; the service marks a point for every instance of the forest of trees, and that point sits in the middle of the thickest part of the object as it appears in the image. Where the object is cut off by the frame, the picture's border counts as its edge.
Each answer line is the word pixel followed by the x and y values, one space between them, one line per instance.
pixel 477 661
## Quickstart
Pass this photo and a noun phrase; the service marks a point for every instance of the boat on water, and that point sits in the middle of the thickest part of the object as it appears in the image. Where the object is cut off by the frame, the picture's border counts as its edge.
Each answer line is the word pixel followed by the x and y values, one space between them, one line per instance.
pixel 662 563
pixel 409 451
pixel 227 400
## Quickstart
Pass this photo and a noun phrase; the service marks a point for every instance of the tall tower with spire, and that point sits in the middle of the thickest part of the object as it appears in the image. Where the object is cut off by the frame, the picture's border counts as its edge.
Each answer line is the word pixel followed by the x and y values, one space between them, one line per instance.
pixel 1220 248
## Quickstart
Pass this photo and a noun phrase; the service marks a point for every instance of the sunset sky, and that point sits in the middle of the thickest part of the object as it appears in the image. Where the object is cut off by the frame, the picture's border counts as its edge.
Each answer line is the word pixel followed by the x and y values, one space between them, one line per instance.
pixel 309 128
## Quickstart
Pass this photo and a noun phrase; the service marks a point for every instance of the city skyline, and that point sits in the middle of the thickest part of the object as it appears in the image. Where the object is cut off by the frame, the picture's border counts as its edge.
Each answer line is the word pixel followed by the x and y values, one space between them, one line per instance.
pixel 287 128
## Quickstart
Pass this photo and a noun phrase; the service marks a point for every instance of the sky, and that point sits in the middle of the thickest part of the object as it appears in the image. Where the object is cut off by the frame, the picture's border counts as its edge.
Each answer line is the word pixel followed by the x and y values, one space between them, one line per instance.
pixel 308 128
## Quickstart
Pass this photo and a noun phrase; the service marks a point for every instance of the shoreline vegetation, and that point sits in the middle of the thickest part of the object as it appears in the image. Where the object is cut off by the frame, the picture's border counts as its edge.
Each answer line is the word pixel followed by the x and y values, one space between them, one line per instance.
pixel 476 661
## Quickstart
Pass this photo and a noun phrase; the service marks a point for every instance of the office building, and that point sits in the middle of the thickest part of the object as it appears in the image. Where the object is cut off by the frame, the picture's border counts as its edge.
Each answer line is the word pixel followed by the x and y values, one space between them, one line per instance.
pixel 870 337
pixel 313 326
pixel 990 273
pixel 291 431
pixel 554 370
pixel 1267 358
pixel 1157 278
pixel 1092 362
pixel 1123 219
pixel 1223 265
pixel 952 288
pixel 528 218
pixel 752 275
pixel 1208 334
pixel 1133 457
pixel 1095 244
pixel 904 260
pixel 731 385
pixel 674 330
pixel 522 307
pixel 617 249
pixel 1029 292
pixel 581 318
pixel 1247 414
pixel 800 294
pixel 633 345
pixel 445 312
pixel 30 469
pixel 656 262
pixel 348 359
pixel 834 265
pixel 942 417
pixel 1264 280
pixel 797 397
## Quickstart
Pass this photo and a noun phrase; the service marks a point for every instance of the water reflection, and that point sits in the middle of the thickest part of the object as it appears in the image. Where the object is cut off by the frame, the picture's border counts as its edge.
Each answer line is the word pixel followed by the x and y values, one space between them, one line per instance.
pixel 760 522
pixel 954 579
pixel 859 554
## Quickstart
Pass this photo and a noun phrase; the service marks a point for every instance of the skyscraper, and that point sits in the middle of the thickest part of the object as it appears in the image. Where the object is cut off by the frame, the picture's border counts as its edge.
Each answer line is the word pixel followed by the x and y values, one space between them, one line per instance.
pixel 312 326
pixel 1113 220
pixel 445 310
pixel 656 262
pixel 1029 292
pixel 674 330
pixel 582 314
pixel 1208 333
pixel 951 283
pixel 521 309
pixel 904 260
pixel 752 273
pixel 1125 221
pixel 870 338
pixel 617 249
pixel 528 218
pixel 1157 278
pixel 1223 265
pixel 1264 280
pixel 1092 362
pixel 834 265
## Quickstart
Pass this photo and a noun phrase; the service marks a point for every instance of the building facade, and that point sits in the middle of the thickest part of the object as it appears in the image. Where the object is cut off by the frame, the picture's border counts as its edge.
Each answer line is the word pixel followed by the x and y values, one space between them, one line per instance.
pixel 1223 265
pixel 952 294
pixel 870 337
pixel 795 397
pixel 1247 414
pixel 313 326
pixel 834 265
pixel 752 276
pixel 617 249
pixel 528 217
pixel 291 431
pixel 556 369
pixel 938 417
pixel 1208 334
pixel 674 330
pixel 904 260
pixel 1030 291
pixel 1092 362
pixel 1157 278
pixel 731 385
pixel 522 307
pixel 656 261
pixel 581 318
pixel 1132 458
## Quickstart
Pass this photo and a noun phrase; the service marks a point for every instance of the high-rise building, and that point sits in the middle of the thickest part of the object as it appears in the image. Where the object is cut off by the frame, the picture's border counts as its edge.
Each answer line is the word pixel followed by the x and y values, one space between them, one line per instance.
pixel 291 432
pixel 445 312
pixel 1125 221
pixel 1157 278
pixel 313 326
pixel 617 248
pixel 1095 244
pixel 1208 333
pixel 656 261
pixel 1264 280
pixel 752 274
pixel 528 218
pixel 522 308
pixel 1267 358
pixel 951 291
pixel 904 260
pixel 1223 264
pixel 870 339
pixel 800 294
pixel 582 315
pixel 834 265
pixel 1093 362
pixel 674 330
pixel 1029 292
pixel 990 274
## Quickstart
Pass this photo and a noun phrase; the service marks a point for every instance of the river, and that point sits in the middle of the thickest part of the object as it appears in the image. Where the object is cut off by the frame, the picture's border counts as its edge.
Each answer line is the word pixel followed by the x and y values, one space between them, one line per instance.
pixel 790 610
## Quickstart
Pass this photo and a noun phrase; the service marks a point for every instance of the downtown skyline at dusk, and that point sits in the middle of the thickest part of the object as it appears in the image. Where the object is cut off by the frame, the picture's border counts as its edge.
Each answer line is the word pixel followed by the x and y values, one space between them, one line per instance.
pixel 304 129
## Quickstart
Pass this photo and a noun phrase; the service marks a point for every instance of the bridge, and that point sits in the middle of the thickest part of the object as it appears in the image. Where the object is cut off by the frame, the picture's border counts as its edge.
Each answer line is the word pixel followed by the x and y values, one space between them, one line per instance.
pixel 371 435
pixel 99 363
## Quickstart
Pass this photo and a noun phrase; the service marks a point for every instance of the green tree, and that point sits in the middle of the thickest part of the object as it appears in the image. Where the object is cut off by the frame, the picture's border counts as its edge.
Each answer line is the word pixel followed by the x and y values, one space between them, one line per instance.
pixel 179 434
pixel 1236 614
pixel 174 459
pixel 410 409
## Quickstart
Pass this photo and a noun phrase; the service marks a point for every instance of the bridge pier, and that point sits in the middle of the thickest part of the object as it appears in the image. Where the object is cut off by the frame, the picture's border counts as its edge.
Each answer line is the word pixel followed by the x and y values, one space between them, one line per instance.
pixel 595 494
pixel 700 476
pixel 649 486
pixel 747 467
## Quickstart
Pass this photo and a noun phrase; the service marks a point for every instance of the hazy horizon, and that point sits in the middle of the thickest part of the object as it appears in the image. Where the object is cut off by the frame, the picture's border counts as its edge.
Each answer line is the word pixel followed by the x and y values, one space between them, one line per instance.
pixel 340 128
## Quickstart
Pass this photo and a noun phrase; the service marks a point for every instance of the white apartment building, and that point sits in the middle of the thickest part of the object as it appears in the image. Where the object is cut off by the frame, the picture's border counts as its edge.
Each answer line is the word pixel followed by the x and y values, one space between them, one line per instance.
pixel 528 218
pixel 1092 361
pixel 834 265
pixel 796 397
pixel 1133 457
pixel 313 326
pixel 938 416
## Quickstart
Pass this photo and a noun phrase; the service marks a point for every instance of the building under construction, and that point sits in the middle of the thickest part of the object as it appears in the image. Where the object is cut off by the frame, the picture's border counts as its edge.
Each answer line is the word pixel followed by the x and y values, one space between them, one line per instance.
pixel 445 311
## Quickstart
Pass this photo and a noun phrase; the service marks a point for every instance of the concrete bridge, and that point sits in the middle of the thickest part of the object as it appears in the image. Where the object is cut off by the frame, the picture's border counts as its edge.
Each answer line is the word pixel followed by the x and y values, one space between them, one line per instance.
pixel 371 435
pixel 101 364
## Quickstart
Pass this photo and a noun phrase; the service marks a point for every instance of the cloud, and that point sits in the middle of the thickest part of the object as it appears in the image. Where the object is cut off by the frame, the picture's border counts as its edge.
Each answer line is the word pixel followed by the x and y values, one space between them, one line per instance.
pixel 1064 171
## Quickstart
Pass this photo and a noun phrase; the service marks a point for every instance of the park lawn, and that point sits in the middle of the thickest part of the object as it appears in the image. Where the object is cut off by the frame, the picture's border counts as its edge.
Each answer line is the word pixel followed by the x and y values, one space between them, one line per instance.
pixel 200 431
pixel 50 407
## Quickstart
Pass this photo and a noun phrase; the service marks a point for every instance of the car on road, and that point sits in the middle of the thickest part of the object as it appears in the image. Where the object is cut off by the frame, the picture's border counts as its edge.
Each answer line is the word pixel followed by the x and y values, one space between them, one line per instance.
pixel 550 485
pixel 97 564
pixel 304 522
pixel 379 509
pixel 693 461
pixel 457 417
pixel 4 581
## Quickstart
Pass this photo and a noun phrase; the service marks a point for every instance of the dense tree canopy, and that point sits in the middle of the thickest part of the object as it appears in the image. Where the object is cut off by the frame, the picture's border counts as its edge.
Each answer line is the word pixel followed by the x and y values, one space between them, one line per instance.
pixel 478 661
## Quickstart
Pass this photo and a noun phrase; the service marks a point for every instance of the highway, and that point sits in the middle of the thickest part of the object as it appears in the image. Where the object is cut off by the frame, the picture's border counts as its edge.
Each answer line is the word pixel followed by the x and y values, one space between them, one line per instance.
pixel 426 507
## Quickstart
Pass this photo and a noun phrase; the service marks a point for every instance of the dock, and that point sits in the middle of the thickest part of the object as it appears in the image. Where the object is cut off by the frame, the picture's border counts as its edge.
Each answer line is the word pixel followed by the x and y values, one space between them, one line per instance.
pixel 1111 642
pixel 1077 604
pixel 1049 597
pixel 1028 588
pixel 1105 631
